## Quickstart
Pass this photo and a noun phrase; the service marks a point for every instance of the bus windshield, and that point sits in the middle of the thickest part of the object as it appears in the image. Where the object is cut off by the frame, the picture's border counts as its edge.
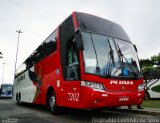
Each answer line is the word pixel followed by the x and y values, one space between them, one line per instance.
pixel 107 56
pixel 6 89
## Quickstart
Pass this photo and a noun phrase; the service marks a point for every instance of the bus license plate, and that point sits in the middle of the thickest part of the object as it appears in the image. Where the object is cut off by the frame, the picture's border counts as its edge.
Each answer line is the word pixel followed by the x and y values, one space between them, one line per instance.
pixel 123 99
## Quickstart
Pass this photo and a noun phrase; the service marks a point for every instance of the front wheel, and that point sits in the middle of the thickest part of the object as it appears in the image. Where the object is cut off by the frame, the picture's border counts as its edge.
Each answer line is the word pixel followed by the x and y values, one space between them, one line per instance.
pixel 18 99
pixel 147 96
pixel 52 103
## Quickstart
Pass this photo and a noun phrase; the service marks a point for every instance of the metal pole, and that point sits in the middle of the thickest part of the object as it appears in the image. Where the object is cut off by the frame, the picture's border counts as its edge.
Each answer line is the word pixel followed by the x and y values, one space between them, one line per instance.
pixel 19 32
pixel 1 57
pixel 3 72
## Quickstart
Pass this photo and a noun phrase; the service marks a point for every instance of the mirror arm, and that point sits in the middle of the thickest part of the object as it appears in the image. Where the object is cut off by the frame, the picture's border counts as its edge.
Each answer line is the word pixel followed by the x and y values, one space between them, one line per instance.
pixel 135 48
pixel 79 43
pixel 78 31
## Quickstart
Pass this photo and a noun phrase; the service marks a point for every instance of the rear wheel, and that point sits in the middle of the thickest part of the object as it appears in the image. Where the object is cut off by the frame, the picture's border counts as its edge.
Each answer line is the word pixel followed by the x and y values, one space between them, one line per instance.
pixel 18 99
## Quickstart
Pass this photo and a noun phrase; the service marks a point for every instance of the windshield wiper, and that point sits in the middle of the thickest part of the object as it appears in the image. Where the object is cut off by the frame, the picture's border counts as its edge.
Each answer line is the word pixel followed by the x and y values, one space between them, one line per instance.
pixel 111 52
pixel 110 57
pixel 130 66
pixel 97 64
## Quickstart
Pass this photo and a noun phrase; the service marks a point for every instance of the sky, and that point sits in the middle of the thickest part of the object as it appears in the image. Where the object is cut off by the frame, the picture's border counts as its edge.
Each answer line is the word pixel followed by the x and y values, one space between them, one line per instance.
pixel 38 18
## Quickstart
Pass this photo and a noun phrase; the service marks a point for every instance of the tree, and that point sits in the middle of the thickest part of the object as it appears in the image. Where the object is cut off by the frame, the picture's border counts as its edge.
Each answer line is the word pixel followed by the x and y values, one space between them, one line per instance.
pixel 150 72
pixel 156 59
pixel 146 63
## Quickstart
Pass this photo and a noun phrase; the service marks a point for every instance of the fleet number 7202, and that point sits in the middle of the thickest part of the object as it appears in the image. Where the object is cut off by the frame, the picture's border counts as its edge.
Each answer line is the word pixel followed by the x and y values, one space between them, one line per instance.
pixel 73 96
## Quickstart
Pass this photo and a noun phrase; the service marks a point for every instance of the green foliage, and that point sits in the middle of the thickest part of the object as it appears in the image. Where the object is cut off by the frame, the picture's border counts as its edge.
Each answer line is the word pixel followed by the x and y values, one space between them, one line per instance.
pixel 150 72
pixel 146 63
pixel 156 59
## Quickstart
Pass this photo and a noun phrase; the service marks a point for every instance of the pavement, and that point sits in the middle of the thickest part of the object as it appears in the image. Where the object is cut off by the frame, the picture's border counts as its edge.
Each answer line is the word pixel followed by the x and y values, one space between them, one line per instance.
pixel 30 113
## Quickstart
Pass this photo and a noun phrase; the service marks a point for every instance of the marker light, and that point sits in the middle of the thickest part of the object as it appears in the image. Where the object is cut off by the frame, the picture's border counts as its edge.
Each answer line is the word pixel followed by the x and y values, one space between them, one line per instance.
pixel 141 87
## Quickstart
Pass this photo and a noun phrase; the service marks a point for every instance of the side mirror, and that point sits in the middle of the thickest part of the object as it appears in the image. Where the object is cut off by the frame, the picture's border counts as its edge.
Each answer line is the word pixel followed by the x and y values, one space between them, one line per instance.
pixel 135 48
pixel 79 43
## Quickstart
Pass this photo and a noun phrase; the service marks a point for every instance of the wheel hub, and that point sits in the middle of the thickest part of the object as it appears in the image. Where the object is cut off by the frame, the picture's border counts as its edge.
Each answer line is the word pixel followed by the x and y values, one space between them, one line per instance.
pixel 52 101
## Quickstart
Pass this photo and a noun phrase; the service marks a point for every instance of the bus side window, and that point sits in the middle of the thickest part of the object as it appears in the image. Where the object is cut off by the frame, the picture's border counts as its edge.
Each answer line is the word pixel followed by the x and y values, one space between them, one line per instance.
pixel 49 47
pixel 32 76
pixel 72 61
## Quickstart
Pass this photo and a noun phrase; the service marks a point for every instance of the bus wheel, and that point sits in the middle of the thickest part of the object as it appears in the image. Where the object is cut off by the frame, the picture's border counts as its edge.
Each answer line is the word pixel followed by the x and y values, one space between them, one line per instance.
pixel 147 96
pixel 18 99
pixel 52 103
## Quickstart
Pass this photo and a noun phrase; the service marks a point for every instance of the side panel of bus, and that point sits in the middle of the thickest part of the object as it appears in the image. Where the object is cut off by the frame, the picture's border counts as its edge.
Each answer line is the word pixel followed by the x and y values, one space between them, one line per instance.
pixel 24 88
pixel 31 83
pixel 48 71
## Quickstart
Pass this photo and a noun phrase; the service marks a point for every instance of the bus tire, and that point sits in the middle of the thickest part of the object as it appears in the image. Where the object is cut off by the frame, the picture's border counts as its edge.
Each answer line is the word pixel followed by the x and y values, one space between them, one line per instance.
pixel 18 99
pixel 147 96
pixel 51 102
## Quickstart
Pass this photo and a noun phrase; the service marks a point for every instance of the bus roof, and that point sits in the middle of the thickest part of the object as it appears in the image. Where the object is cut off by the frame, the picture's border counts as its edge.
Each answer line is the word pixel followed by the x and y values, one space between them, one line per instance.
pixel 6 84
pixel 99 25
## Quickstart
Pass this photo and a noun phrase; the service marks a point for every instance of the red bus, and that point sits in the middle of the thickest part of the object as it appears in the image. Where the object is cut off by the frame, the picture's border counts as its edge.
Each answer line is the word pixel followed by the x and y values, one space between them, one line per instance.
pixel 87 62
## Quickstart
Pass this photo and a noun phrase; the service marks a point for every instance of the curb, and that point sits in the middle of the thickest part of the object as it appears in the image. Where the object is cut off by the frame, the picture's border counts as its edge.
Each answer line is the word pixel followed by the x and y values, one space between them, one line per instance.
pixel 147 111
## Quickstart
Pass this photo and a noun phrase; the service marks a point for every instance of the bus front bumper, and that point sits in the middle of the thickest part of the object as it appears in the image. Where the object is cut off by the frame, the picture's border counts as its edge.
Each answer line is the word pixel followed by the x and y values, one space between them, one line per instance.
pixel 100 99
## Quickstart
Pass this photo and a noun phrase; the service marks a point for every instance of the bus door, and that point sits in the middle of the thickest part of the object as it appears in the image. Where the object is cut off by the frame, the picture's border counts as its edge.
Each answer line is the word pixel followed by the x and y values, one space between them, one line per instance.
pixel 73 75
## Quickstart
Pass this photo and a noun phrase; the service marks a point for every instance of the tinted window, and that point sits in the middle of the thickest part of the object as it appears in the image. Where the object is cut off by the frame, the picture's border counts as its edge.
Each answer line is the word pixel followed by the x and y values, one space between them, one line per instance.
pixel 45 49
pixel 72 61
pixel 20 70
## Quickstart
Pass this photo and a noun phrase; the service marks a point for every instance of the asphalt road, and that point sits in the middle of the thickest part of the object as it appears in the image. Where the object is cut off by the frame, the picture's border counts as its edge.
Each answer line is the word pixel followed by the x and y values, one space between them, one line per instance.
pixel 29 113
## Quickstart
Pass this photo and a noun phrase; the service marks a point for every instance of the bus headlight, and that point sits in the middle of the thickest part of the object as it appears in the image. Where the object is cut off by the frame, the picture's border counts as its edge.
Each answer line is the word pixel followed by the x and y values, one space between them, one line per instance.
pixel 94 85
pixel 141 87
